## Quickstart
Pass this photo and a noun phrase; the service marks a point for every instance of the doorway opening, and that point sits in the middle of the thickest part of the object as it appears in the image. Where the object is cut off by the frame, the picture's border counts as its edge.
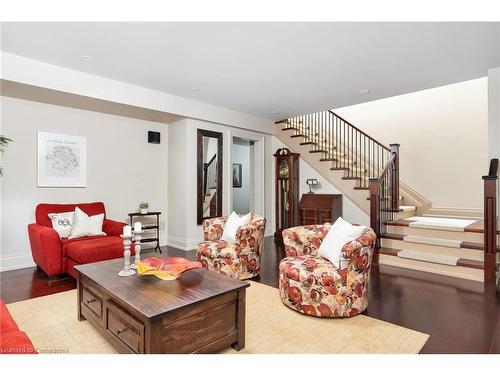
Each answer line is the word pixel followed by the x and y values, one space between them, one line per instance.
pixel 243 175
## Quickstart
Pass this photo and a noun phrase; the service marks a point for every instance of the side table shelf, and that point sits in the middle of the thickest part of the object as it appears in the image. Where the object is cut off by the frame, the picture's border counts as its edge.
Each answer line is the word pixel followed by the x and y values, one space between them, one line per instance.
pixel 149 227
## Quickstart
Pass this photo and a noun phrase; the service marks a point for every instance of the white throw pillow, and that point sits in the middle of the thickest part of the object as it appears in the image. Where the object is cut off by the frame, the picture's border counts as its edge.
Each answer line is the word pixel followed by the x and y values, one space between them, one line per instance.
pixel 234 221
pixel 62 223
pixel 85 225
pixel 339 234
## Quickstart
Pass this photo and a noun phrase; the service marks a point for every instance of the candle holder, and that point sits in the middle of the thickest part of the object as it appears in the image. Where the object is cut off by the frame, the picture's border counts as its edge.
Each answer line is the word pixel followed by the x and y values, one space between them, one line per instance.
pixel 126 271
pixel 137 247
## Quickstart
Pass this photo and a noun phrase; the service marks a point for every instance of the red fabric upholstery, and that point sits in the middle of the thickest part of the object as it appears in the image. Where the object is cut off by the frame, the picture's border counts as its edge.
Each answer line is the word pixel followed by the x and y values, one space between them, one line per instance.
pixel 12 340
pixel 66 242
pixel 113 228
pixel 51 253
pixel 95 250
pixel 43 209
pixel 70 264
pixel 7 324
pixel 46 249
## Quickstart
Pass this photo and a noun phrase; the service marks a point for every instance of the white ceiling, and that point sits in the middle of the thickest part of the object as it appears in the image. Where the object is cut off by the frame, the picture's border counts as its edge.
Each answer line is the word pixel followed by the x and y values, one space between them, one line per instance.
pixel 258 68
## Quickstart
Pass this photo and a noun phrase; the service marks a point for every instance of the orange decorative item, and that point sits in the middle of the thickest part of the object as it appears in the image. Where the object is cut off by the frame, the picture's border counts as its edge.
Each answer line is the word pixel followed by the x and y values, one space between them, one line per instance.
pixel 167 268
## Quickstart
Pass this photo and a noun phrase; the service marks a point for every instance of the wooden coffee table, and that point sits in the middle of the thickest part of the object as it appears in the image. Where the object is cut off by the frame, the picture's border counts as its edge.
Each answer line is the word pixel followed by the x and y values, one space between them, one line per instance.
pixel 201 312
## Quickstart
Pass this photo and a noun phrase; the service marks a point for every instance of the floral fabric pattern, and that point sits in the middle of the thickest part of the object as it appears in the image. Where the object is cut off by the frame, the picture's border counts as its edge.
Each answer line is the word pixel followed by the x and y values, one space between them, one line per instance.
pixel 304 240
pixel 213 228
pixel 240 259
pixel 313 285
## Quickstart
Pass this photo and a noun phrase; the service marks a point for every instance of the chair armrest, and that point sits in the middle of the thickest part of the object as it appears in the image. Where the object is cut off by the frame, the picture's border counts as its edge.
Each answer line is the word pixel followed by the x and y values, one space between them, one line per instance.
pixel 113 228
pixel 305 239
pixel 249 237
pixel 213 228
pixel 356 258
pixel 353 249
pixel 46 248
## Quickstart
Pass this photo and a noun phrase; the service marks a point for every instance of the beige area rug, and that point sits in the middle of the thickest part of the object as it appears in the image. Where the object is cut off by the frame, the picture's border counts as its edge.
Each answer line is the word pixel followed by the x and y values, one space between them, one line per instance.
pixel 272 328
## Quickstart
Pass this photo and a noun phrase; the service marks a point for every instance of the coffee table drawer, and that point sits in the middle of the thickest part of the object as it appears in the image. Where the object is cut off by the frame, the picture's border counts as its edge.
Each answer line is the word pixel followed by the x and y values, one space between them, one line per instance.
pixel 125 328
pixel 91 300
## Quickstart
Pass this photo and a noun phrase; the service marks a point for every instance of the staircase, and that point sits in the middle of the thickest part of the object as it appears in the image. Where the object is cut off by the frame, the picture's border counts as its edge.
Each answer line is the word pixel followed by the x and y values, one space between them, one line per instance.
pixel 208 202
pixel 367 172
pixel 210 187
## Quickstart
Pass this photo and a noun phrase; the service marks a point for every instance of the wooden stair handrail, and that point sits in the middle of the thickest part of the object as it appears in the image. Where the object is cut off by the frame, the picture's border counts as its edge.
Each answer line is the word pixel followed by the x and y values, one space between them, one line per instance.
pixel 205 169
pixel 493 172
pixel 387 167
pixel 206 165
pixel 490 222
pixel 390 173
pixel 361 131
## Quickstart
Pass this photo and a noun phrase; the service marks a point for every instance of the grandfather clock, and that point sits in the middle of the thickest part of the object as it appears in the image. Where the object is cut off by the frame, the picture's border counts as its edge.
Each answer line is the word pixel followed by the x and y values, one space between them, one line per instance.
pixel 287 190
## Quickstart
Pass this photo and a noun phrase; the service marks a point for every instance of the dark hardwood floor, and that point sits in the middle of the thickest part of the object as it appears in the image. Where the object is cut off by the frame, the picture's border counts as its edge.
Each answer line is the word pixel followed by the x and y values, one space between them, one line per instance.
pixel 459 315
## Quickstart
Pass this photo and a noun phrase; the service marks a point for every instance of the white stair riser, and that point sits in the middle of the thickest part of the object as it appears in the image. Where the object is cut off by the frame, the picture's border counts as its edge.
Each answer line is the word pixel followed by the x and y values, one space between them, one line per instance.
pixel 461 236
pixel 453 271
pixel 404 214
pixel 460 252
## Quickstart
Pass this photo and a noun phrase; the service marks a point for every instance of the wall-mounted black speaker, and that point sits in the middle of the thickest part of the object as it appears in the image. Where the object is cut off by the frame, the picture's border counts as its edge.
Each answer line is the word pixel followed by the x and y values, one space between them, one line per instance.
pixel 153 137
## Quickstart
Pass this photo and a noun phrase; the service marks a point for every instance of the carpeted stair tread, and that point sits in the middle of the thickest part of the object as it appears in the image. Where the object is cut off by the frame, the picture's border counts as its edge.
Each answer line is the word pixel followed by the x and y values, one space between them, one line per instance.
pixel 444 260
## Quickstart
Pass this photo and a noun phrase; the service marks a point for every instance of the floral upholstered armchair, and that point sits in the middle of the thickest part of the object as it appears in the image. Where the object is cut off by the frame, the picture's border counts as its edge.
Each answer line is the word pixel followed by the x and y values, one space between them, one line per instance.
pixel 313 285
pixel 239 259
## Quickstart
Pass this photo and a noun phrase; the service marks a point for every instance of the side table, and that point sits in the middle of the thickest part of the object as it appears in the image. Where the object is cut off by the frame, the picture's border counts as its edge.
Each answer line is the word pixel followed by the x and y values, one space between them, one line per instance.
pixel 155 226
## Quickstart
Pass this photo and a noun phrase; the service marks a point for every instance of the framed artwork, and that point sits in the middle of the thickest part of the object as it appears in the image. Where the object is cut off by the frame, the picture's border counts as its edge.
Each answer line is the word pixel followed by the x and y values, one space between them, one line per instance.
pixel 62 160
pixel 236 175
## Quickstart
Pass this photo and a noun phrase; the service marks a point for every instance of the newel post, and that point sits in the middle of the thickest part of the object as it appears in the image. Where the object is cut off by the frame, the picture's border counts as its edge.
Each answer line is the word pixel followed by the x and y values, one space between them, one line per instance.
pixel 395 177
pixel 375 214
pixel 490 227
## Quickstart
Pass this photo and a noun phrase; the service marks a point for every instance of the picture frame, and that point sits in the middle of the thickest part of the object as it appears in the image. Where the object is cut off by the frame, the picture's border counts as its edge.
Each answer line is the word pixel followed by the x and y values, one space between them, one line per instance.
pixel 237 175
pixel 61 160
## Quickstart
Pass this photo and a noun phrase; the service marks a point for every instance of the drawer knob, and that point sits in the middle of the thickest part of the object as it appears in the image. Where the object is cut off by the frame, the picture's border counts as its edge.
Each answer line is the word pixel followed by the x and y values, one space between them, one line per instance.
pixel 89 301
pixel 120 331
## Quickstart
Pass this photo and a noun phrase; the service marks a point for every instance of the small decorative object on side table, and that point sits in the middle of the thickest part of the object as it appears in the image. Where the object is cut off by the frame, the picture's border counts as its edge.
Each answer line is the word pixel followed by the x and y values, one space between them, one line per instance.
pixel 311 182
pixel 145 227
pixel 143 207
pixel 127 241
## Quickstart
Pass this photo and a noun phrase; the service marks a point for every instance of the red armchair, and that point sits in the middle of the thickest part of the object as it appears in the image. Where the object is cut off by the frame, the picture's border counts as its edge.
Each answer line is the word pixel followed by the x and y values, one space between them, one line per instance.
pixel 56 256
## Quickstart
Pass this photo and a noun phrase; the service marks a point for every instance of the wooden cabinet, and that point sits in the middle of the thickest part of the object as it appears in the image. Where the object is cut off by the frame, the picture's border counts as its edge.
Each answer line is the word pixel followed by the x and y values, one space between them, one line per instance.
pixel 319 208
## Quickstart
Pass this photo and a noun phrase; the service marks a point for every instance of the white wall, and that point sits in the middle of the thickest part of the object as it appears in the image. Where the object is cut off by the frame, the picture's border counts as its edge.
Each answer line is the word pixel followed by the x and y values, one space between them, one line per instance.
pixel 494 117
pixel 242 195
pixel 177 182
pixel 184 232
pixel 443 134
pixel 123 169
pixel 350 211
pixel 494 113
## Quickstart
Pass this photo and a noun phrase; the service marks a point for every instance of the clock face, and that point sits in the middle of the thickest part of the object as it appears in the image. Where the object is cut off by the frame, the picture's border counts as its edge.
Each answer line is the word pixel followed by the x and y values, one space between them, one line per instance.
pixel 284 168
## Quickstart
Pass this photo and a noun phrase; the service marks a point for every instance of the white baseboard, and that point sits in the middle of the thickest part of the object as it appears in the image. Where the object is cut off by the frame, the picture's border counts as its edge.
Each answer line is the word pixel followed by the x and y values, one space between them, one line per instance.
pixel 269 232
pixel 15 262
pixel 182 243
